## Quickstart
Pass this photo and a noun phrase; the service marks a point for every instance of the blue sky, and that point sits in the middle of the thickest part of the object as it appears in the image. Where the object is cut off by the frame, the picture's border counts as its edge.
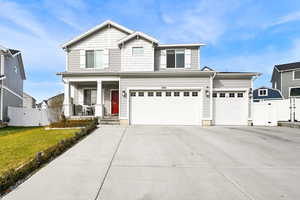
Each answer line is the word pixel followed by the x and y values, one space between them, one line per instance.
pixel 241 35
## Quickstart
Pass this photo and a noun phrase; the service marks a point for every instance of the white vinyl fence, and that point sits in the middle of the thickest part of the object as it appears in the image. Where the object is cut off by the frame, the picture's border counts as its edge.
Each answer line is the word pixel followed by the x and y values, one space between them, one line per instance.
pixel 28 117
pixel 268 113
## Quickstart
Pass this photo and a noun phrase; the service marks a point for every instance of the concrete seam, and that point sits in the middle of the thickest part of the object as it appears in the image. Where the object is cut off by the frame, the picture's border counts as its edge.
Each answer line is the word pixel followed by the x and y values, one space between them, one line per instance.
pixel 110 164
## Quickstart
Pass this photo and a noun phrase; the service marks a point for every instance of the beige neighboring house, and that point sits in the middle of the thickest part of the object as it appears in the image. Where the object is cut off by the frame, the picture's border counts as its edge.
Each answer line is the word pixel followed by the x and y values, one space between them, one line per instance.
pixel 54 105
pixel 115 72
pixel 28 101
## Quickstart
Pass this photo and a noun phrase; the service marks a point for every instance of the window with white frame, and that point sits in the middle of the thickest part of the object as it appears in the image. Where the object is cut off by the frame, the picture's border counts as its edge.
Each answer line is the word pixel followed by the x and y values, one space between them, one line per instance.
pixel 175 58
pixel 297 75
pixel 263 92
pixel 295 92
pixel 90 96
pixel 137 51
pixel 94 59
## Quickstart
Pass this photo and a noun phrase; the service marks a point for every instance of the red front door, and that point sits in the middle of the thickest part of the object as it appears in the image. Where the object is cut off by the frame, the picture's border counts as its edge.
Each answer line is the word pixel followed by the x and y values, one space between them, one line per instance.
pixel 114 102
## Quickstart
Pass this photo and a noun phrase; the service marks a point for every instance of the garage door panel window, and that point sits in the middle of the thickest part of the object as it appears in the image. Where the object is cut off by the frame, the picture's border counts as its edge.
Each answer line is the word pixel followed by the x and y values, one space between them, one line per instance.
pixel 215 95
pixel 141 94
pixel 158 94
pixel 222 95
pixel 176 94
pixel 132 94
pixel 194 94
pixel 150 94
pixel 231 95
pixel 186 94
pixel 240 95
pixel 168 94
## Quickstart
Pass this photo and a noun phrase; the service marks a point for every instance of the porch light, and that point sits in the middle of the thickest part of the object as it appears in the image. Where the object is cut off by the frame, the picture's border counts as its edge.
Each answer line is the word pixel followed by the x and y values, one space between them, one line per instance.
pixel 124 93
pixel 207 93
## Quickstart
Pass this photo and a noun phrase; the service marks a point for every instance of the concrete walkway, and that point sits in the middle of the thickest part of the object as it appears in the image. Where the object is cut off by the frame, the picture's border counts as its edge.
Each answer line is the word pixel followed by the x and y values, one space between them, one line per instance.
pixel 177 162
pixel 77 174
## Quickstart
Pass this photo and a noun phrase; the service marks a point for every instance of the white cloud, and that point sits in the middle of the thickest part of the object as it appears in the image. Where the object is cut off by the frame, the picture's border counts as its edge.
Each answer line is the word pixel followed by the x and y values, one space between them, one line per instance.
pixel 295 16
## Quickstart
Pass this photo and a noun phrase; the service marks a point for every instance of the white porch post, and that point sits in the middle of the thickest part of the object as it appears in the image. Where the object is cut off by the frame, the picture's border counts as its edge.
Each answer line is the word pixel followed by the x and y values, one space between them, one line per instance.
pixel 98 106
pixel 67 103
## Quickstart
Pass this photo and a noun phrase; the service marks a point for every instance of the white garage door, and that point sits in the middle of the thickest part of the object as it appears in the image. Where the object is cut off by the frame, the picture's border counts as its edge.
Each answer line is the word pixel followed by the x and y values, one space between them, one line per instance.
pixel 230 108
pixel 174 107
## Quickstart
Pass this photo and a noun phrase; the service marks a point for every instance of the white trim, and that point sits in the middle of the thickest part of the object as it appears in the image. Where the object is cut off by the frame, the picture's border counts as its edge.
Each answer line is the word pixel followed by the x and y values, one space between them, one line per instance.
pixel 176 68
pixel 182 45
pixel 91 79
pixel 138 34
pixel 14 93
pixel 2 64
pixel 290 92
pixel 98 27
pixel 231 89
pixel 1 106
pixel 262 89
pixel 294 75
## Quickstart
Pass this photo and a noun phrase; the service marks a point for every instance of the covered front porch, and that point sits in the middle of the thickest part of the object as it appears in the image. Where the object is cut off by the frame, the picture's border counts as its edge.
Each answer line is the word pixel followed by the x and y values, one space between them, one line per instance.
pixel 91 98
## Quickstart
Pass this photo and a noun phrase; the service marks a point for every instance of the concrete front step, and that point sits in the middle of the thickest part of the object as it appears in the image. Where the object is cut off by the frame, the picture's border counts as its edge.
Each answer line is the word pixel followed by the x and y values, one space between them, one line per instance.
pixel 108 121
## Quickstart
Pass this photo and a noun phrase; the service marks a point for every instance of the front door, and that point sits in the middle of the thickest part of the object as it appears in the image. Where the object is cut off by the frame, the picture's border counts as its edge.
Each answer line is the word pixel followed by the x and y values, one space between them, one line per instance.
pixel 114 102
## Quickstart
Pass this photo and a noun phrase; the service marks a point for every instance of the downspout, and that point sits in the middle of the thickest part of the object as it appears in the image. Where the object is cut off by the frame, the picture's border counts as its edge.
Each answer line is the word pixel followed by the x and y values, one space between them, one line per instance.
pixel 211 95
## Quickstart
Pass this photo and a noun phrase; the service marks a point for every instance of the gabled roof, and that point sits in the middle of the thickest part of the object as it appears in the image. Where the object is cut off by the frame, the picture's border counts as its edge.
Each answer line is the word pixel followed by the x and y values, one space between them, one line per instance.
pixel 138 34
pixel 96 28
pixel 15 53
pixel 288 66
pixel 207 69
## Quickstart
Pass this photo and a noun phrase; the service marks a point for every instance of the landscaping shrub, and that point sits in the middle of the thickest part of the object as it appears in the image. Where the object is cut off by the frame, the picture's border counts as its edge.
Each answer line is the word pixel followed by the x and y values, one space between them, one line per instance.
pixel 70 123
pixel 11 177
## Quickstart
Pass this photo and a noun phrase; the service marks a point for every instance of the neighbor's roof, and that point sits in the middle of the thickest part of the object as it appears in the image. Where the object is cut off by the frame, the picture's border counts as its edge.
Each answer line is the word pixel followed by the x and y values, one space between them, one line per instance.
pixel 272 93
pixel 288 66
pixel 14 53
pixel 140 34
pixel 206 68
pixel 96 28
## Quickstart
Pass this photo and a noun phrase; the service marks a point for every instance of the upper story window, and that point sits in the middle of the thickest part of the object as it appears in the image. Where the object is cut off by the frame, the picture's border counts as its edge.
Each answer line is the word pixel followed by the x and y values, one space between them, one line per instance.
pixel 94 59
pixel 295 92
pixel 137 51
pixel 175 58
pixel 263 92
pixel 297 75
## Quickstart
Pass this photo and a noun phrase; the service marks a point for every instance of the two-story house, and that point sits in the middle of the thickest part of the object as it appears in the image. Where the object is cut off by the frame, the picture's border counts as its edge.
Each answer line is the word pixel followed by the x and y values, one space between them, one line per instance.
pixel 114 71
pixel 286 78
pixel 12 75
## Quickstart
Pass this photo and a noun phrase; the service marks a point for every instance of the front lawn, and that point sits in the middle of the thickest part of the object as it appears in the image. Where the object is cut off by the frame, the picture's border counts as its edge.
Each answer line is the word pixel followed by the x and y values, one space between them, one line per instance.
pixel 20 144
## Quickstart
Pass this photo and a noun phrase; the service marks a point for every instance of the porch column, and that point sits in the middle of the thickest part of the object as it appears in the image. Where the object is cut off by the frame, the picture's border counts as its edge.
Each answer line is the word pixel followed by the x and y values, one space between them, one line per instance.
pixel 67 103
pixel 98 106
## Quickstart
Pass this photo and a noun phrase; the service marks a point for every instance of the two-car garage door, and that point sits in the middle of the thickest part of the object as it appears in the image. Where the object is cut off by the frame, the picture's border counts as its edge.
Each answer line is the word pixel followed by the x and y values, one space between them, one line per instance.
pixel 161 107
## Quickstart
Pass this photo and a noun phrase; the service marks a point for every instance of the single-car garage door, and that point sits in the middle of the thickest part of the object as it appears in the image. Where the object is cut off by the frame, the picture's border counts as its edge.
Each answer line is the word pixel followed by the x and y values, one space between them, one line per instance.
pixel 230 108
pixel 159 107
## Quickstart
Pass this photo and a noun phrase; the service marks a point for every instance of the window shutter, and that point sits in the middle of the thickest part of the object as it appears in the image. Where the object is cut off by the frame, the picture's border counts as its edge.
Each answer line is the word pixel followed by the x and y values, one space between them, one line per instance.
pixel 106 58
pixel 82 58
pixel 163 59
pixel 187 58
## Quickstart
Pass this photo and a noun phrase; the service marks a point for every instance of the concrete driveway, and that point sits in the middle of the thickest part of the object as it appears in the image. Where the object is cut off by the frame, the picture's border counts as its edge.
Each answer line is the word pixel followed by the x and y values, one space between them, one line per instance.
pixel 186 162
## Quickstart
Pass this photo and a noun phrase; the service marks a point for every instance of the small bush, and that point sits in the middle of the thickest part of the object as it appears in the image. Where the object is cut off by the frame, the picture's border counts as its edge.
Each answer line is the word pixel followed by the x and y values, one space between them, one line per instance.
pixel 12 176
pixel 70 123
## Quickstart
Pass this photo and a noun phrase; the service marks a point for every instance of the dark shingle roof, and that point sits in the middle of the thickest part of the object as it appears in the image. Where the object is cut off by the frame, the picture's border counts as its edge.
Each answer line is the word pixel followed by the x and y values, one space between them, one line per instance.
pixel 13 51
pixel 288 66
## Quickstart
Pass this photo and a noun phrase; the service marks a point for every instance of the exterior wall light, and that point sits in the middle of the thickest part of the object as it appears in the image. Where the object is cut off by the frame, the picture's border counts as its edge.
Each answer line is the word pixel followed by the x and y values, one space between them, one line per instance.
pixel 207 93
pixel 124 93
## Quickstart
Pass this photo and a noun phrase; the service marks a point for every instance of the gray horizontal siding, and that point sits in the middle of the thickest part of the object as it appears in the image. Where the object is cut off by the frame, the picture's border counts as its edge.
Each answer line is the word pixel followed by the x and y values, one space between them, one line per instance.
pixel 287 82
pixel 114 61
pixel 10 99
pixel 13 78
pixel 232 83
pixel 195 59
pixel 159 82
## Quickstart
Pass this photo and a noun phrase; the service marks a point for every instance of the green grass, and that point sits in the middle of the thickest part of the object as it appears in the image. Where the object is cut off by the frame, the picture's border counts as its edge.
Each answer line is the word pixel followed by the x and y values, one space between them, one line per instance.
pixel 20 144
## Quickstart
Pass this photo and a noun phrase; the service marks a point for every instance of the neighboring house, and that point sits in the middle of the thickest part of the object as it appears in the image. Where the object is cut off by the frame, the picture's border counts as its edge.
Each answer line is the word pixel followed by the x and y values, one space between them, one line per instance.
pixel 114 71
pixel 11 81
pixel 54 105
pixel 28 101
pixel 286 78
pixel 265 93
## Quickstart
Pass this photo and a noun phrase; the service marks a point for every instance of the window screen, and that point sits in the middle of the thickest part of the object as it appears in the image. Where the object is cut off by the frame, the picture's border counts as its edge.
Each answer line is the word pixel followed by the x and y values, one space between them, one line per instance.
pixel 170 58
pixel 179 58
